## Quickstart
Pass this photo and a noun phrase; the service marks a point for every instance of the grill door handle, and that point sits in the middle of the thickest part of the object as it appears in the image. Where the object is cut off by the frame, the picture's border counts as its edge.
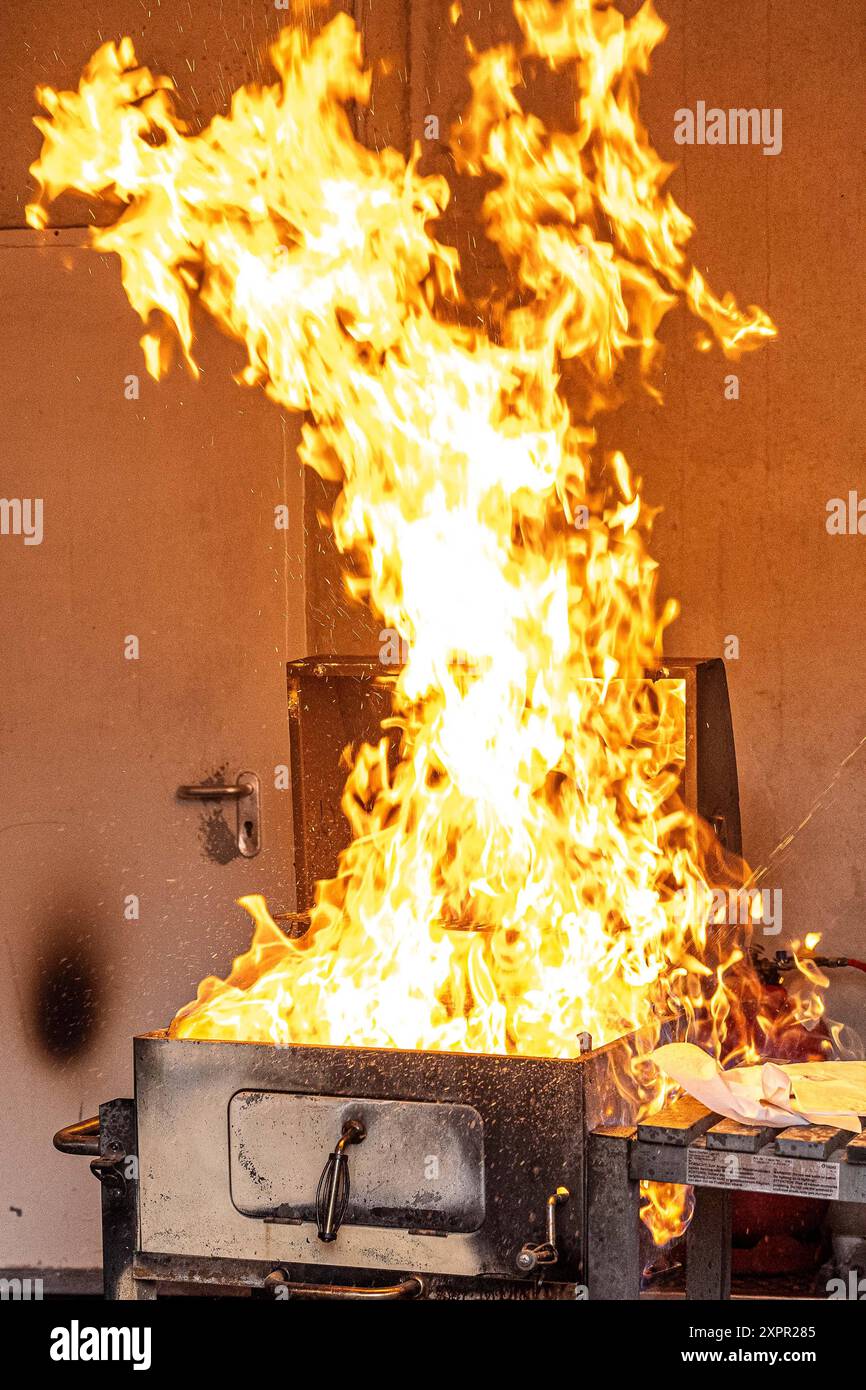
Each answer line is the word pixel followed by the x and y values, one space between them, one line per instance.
pixel 332 1194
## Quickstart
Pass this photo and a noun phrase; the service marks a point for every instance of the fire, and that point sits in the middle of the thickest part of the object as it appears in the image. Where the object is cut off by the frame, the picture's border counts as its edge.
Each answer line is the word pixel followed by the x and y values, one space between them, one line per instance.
pixel 522 875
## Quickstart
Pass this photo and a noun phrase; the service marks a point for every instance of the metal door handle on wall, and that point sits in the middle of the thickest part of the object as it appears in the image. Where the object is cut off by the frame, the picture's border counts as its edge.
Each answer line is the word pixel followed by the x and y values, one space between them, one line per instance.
pixel 245 792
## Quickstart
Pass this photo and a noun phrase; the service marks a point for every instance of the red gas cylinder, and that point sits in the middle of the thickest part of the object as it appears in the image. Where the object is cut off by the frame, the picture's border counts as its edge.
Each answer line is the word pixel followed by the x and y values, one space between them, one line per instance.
pixel 780 1235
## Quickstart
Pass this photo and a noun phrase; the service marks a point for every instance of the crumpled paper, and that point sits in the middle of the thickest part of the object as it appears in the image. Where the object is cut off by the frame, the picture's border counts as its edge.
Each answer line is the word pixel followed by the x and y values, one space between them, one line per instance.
pixel 771 1093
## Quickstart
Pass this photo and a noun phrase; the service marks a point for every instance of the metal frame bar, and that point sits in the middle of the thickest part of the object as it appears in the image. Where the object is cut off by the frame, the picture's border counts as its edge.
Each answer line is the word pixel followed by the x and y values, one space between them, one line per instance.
pixel 708 1246
pixel 119 1149
pixel 658 1150
pixel 613 1216
pixel 667 1163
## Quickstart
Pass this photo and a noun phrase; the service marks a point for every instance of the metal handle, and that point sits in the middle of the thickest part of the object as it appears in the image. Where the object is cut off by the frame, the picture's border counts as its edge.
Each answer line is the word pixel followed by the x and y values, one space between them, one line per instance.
pixel 79 1138
pixel 217 792
pixel 332 1194
pixel 556 1199
pixel 278 1281
pixel 108 1168
pixel 530 1256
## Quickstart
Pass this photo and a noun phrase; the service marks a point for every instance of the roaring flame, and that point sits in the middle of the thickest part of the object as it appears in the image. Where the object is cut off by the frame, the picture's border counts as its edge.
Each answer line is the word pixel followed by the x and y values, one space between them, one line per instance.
pixel 522 875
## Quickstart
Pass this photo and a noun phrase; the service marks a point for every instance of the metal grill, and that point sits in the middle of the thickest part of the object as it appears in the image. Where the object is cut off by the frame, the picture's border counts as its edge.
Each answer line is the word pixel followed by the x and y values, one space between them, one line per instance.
pixel 689 1144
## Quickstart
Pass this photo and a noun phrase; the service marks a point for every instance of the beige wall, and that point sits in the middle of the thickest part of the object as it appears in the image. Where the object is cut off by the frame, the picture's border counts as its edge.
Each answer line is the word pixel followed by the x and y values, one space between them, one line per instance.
pixel 744 484
pixel 158 524
pixel 158 518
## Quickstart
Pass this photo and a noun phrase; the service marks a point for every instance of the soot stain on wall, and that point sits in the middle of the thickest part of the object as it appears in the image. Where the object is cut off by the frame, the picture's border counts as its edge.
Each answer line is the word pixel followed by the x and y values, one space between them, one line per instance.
pixel 218 840
pixel 67 988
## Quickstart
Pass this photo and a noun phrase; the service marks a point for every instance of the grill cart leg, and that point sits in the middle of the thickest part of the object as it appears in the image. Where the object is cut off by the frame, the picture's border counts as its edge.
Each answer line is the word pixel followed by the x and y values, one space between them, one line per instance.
pixel 109 1141
pixel 117 1170
pixel 613 1217
pixel 708 1246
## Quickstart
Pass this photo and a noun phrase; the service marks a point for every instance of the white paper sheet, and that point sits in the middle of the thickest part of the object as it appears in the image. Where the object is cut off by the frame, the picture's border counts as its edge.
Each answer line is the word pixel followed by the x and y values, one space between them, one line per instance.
pixel 771 1093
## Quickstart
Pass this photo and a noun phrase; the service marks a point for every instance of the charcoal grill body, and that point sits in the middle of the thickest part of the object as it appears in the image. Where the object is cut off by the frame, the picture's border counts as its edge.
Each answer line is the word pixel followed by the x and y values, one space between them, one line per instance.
pixel 230 1138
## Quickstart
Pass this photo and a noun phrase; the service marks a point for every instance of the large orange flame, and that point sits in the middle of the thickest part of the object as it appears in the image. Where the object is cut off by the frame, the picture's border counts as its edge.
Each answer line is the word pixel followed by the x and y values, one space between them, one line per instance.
pixel 528 871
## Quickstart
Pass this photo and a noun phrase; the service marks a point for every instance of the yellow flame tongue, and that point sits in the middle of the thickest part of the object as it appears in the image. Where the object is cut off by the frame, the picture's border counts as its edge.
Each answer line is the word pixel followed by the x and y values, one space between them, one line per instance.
pixel 535 798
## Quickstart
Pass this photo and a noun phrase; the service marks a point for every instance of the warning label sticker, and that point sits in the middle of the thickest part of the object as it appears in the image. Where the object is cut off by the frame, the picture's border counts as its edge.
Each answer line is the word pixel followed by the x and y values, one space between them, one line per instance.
pixel 791 1177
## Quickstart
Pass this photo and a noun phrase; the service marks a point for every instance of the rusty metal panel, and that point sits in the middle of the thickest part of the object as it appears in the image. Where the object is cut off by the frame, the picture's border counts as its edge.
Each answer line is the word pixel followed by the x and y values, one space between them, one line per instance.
pixel 335 702
pixel 711 757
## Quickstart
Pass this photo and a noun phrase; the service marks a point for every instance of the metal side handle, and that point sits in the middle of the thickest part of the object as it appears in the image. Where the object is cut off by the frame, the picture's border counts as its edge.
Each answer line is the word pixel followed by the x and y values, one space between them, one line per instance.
pixel 79 1138
pixel 280 1285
